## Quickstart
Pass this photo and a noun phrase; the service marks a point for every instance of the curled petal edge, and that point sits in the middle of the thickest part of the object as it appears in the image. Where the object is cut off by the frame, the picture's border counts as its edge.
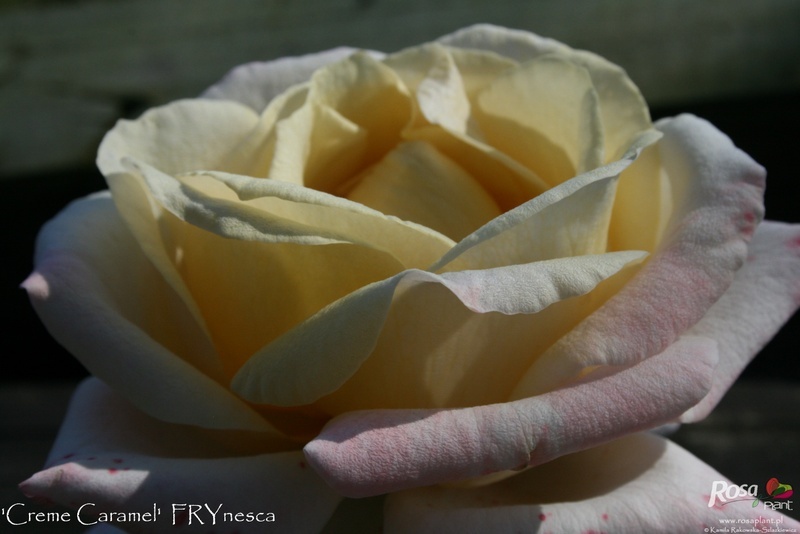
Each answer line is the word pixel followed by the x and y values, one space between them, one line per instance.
pixel 379 451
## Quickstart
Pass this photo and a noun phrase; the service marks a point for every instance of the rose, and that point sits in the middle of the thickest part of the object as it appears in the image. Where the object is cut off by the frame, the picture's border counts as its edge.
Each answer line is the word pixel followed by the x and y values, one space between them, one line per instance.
pixel 466 258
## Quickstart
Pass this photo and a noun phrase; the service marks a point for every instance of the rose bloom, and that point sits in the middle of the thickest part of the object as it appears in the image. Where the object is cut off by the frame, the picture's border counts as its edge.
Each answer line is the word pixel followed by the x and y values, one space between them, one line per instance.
pixel 470 275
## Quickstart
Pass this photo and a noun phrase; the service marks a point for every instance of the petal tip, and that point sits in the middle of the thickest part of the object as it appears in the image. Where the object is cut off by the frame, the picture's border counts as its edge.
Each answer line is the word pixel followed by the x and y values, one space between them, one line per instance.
pixel 36 285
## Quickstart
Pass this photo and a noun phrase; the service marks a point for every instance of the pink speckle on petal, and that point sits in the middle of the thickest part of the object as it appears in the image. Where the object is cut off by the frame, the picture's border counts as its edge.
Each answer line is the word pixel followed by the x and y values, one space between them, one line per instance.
pixel 794 243
pixel 749 225
pixel 112 471
pixel 542 517
pixel 605 517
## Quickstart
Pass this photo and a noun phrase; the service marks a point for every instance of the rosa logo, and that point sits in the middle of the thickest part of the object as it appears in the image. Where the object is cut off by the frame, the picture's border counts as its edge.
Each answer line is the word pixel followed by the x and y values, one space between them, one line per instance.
pixel 723 493
pixel 417 275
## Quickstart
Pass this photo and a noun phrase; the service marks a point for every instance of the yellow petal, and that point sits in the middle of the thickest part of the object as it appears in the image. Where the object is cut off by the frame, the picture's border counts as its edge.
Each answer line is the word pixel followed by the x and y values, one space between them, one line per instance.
pixel 431 74
pixel 457 357
pixel 416 183
pixel 320 356
pixel 317 147
pixel 253 287
pixel 571 219
pixel 370 95
pixel 622 107
pixel 505 180
pixel 183 136
pixel 545 114
pixel 643 206
pixel 284 212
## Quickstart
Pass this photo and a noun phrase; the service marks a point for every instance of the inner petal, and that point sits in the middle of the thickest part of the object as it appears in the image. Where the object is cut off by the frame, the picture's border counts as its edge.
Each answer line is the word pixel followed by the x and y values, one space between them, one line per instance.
pixel 417 183
pixel 545 114
pixel 368 94
pixel 250 293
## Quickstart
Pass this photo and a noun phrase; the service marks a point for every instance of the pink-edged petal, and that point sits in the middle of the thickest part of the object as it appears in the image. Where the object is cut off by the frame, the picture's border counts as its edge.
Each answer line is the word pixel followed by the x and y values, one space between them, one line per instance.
pixel 718 203
pixel 101 298
pixel 110 454
pixel 641 483
pixel 764 294
pixel 256 84
pixel 372 452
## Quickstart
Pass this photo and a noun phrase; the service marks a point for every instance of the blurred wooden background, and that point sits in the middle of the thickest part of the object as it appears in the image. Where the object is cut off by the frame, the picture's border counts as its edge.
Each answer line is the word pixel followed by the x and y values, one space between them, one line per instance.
pixel 70 69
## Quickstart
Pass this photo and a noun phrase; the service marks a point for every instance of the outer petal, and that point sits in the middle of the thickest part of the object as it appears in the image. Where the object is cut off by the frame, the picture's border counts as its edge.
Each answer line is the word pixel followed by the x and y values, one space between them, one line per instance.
pixel 448 361
pixel 100 297
pixel 256 84
pixel 514 44
pixel 110 454
pixel 182 136
pixel 373 452
pixel 641 483
pixel 718 203
pixel 765 293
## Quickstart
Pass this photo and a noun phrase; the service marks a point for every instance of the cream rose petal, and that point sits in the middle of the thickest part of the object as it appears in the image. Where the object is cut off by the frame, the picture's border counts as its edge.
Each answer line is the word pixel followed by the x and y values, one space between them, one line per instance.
pixel 110 454
pixel 417 183
pixel 514 44
pixel 560 134
pixel 256 84
pixel 570 219
pixel 319 214
pixel 318 356
pixel 445 364
pixel 183 136
pixel 764 294
pixel 641 483
pixel 622 108
pixel 373 452
pixel 718 204
pixel 100 298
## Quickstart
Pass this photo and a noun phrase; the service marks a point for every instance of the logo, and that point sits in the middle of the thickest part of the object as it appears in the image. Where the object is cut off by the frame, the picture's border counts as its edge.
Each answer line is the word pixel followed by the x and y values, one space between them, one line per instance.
pixel 776 496
pixel 777 490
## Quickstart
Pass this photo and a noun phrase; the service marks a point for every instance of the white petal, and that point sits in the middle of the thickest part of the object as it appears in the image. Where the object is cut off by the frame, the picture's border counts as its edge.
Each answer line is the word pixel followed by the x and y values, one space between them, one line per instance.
pixel 256 84
pixel 101 298
pixel 718 202
pixel 110 454
pixel 764 294
pixel 641 483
